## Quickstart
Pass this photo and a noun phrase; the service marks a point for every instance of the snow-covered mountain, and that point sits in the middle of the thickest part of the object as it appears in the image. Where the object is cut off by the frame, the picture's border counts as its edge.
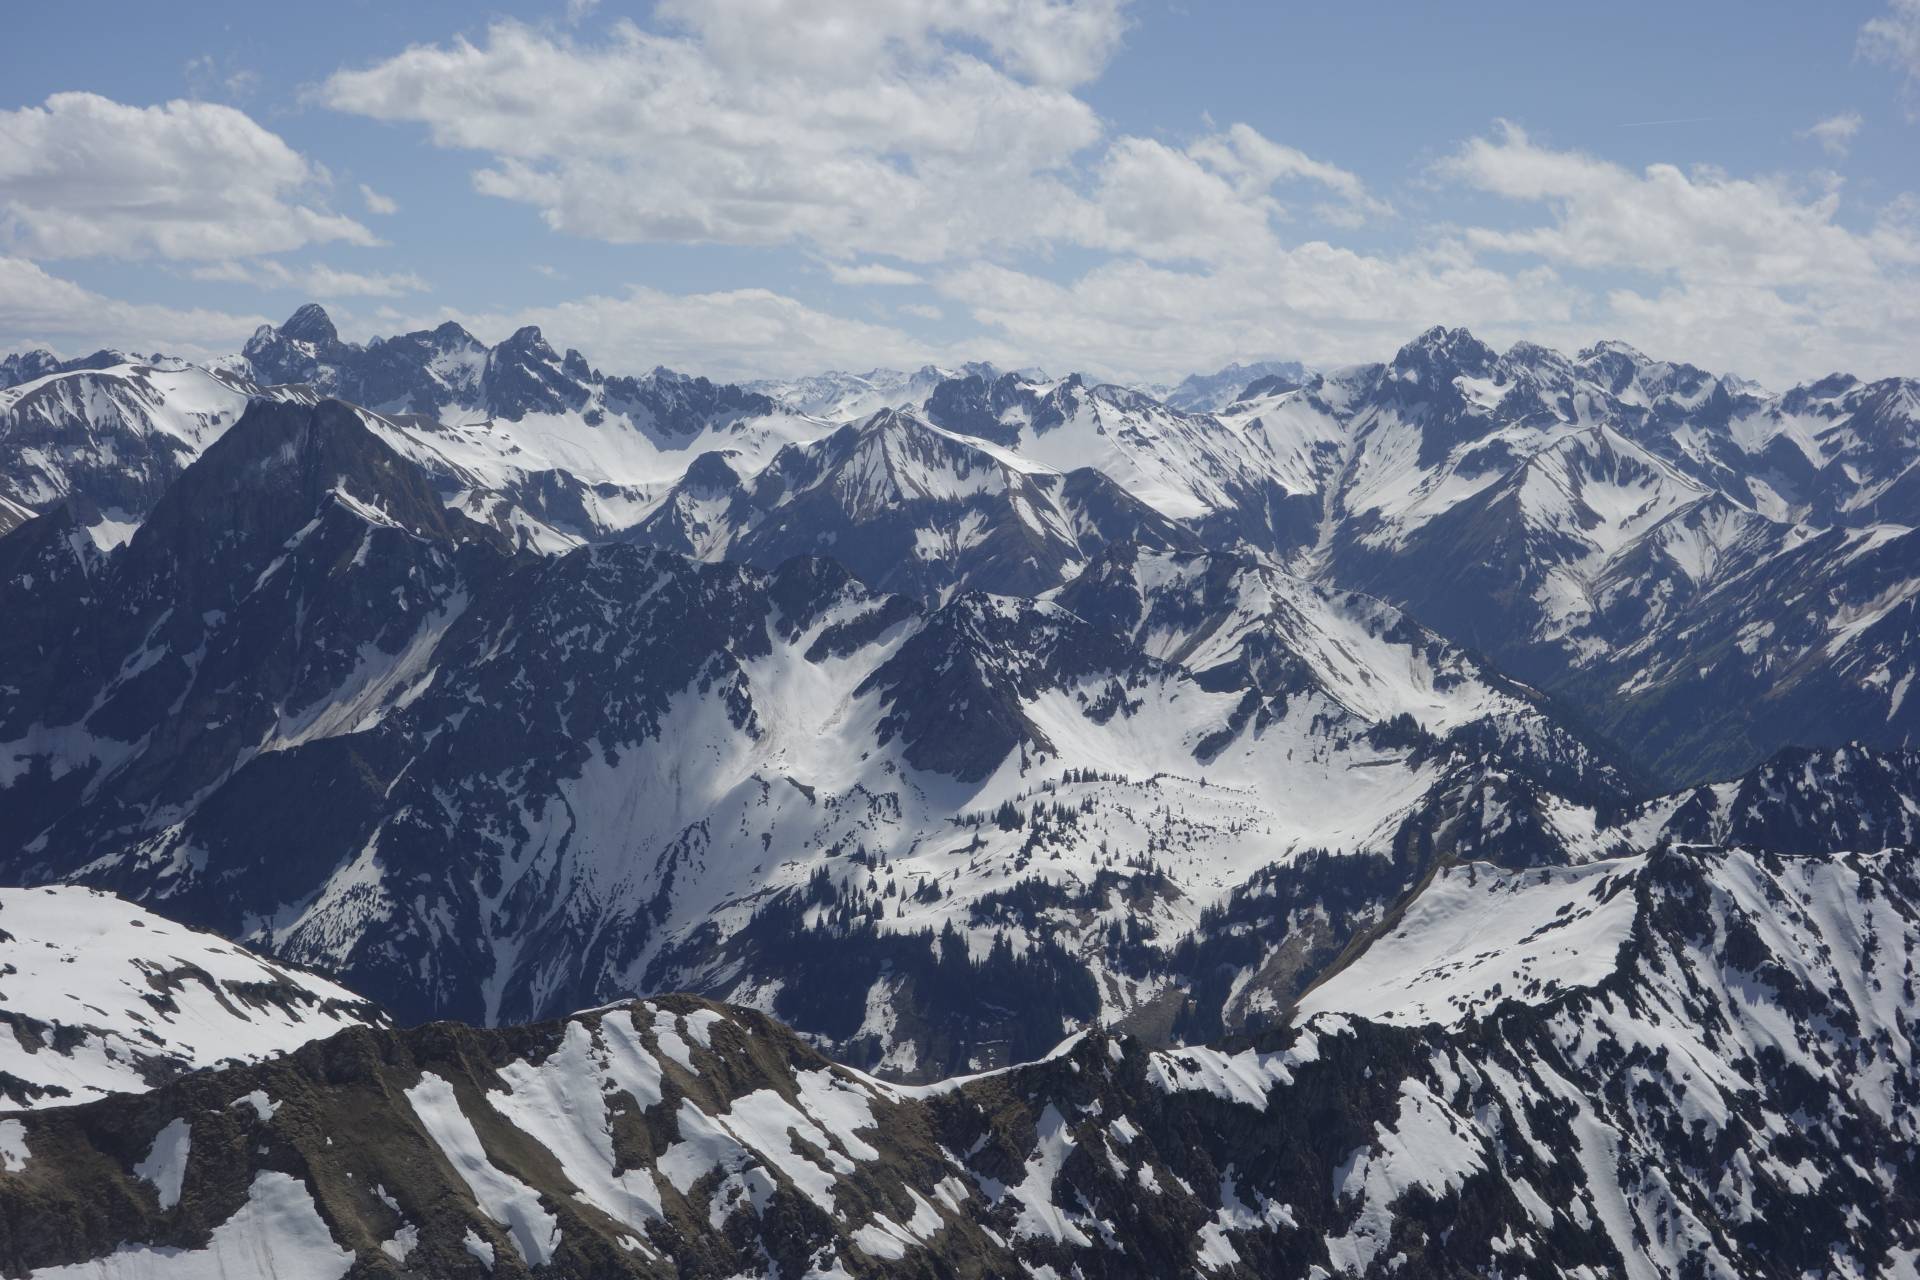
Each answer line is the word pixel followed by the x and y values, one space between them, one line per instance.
pixel 314 708
pixel 1629 533
pixel 1154 784
pixel 908 507
pixel 1450 816
pixel 1701 568
pixel 100 997
pixel 1690 1061
pixel 109 438
pixel 1212 392
pixel 535 443
pixel 837 396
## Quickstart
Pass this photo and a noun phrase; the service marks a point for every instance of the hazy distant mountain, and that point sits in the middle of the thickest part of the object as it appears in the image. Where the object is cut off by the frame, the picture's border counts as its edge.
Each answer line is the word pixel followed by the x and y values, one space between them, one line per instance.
pixel 1212 392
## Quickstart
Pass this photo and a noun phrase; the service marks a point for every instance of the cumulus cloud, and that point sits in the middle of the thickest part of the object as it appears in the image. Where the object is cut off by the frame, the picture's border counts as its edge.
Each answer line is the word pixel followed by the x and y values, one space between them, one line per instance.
pixel 82 175
pixel 1761 275
pixel 1053 42
pixel 38 308
pixel 913 152
pixel 923 130
pixel 1698 224
pixel 1318 302
pixel 948 144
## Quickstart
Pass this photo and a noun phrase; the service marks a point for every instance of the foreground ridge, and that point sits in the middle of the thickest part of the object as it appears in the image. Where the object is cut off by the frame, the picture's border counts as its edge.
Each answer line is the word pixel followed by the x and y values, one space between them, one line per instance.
pixel 1697 1085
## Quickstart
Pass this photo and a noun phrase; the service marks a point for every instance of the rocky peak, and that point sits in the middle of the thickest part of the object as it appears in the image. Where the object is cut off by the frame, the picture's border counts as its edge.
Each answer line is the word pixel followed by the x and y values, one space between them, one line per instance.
pixel 524 375
pixel 1445 351
pixel 311 324
pixel 269 475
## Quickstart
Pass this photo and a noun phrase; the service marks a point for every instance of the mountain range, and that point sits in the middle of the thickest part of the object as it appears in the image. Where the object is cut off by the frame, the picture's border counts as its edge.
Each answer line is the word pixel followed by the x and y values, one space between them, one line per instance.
pixel 1492 766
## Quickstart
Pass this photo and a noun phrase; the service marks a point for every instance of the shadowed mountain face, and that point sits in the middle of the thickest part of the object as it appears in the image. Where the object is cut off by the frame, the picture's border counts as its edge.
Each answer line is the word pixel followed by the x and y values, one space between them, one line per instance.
pixel 1590 1070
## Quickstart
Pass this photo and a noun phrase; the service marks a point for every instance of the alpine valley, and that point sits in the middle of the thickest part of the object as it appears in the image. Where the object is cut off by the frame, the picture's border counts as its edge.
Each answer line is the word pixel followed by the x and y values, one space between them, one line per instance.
pixel 475 814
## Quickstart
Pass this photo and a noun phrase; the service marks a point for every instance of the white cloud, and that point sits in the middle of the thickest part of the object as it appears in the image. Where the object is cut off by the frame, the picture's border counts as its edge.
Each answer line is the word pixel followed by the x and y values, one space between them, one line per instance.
pixel 377 203
pixel 1835 133
pixel 870 273
pixel 1159 202
pixel 1053 42
pixel 914 151
pixel 1893 40
pixel 1753 275
pixel 83 175
pixel 317 281
pixel 38 308
pixel 1315 302
pixel 1758 275
pixel 920 310
pixel 579 11
pixel 1700 225
pixel 206 78
pixel 850 130
pixel 1256 163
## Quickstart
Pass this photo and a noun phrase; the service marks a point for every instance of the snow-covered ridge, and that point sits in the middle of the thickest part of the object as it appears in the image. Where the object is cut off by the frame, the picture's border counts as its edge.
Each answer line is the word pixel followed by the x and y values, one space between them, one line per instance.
pixel 1479 934
pixel 1744 1057
pixel 102 997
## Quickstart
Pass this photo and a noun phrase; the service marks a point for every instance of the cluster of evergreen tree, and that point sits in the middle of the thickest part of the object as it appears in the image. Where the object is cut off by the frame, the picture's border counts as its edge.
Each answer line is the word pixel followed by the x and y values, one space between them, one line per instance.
pixel 1028 998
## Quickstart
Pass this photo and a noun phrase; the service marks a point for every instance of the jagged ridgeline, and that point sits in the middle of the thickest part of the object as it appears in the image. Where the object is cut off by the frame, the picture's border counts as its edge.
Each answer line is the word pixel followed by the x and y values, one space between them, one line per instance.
pixel 1689 1062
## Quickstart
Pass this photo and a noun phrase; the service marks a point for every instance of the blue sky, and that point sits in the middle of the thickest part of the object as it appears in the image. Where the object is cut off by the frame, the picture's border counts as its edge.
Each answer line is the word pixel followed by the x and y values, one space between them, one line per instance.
pixel 748 187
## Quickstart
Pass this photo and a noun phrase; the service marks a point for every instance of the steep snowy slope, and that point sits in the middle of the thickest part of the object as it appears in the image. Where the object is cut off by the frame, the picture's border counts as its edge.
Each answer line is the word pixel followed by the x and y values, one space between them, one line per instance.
pixel 1188 467
pixel 1720 1037
pixel 1812 645
pixel 1695 1062
pixel 110 439
pixel 14 514
pixel 101 997
pixel 908 507
pixel 1478 933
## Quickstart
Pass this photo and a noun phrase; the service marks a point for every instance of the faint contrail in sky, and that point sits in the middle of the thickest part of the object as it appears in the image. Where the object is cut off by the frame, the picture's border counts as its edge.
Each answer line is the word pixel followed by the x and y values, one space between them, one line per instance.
pixel 1648 124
